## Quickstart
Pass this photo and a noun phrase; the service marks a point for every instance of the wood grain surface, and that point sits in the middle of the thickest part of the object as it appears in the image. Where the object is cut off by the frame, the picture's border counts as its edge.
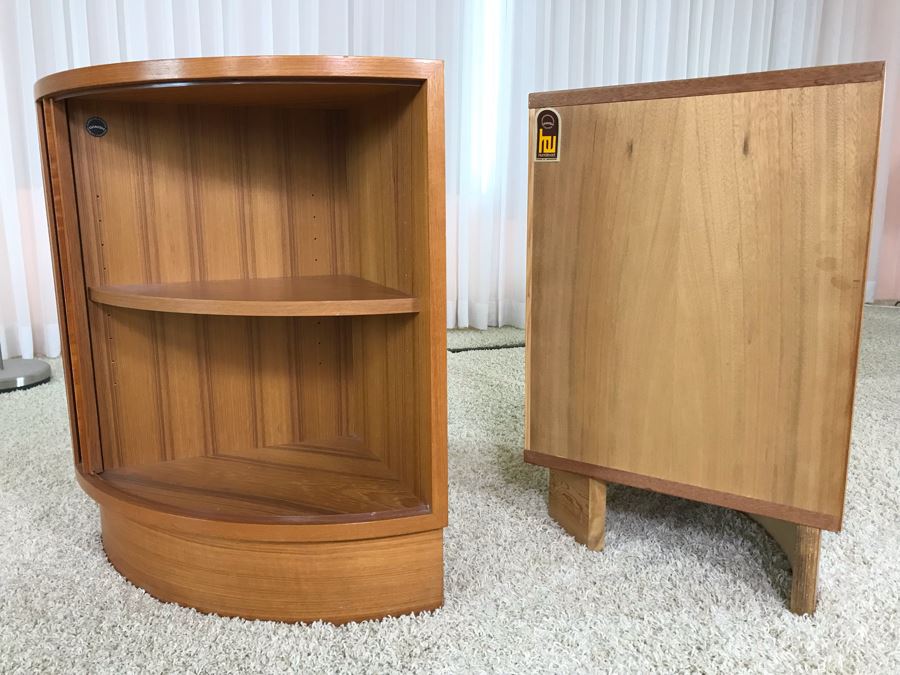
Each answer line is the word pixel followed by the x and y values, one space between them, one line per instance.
pixel 322 295
pixel 71 295
pixel 695 291
pixel 801 545
pixel 193 519
pixel 282 581
pixel 578 504
pixel 92 79
pixel 353 235
pixel 55 256
pixel 298 94
pixel 264 489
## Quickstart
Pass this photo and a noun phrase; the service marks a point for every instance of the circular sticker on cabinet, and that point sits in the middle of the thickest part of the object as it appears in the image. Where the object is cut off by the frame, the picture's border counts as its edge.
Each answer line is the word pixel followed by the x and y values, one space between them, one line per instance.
pixel 96 126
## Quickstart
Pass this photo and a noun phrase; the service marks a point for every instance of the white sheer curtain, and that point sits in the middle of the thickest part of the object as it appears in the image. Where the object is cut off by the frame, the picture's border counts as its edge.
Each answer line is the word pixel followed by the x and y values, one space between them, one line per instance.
pixel 496 52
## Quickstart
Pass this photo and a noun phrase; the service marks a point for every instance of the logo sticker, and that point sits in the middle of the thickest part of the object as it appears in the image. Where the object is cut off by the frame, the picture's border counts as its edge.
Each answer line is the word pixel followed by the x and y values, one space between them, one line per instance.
pixel 96 126
pixel 547 142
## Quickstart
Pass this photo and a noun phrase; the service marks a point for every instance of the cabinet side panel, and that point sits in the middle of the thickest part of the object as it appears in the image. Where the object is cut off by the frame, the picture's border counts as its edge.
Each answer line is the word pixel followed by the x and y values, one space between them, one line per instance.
pixel 392 173
pixel 529 312
pixel 57 281
pixel 432 370
pixel 380 219
pixel 72 284
pixel 696 273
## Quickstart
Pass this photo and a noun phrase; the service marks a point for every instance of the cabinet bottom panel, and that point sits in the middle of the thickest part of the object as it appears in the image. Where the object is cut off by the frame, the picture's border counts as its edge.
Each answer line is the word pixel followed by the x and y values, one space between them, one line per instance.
pixel 280 581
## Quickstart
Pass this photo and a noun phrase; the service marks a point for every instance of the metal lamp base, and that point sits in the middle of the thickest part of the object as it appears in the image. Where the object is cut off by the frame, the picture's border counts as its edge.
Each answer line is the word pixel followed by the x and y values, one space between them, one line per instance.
pixel 18 374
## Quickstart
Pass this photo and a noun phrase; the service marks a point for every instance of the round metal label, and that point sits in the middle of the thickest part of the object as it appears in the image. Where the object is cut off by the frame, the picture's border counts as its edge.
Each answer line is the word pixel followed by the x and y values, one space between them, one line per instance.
pixel 96 126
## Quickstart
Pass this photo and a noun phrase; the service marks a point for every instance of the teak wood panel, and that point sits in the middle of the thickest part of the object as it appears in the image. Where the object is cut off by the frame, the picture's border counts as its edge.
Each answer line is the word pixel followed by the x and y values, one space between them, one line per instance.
pixel 301 94
pixel 696 275
pixel 71 294
pixel 57 279
pixel 325 295
pixel 114 77
pixel 392 188
pixel 188 193
pixel 182 385
pixel 235 487
pixel 335 581
pixel 191 520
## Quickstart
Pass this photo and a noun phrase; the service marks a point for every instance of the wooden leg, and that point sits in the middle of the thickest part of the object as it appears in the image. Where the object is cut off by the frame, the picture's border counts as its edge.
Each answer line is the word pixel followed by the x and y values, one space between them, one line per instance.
pixel 801 545
pixel 578 504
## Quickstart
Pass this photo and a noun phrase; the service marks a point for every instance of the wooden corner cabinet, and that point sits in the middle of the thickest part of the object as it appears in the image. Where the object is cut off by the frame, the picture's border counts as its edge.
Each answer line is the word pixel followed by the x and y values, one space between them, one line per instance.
pixel 249 257
pixel 697 257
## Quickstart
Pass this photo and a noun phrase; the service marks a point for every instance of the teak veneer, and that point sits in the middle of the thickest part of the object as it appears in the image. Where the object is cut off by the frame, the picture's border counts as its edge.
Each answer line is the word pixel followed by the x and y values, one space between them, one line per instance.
pixel 696 269
pixel 249 260
pixel 328 295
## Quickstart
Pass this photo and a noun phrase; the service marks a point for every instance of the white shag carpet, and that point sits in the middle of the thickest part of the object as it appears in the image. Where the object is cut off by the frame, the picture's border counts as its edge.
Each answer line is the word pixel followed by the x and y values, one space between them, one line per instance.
pixel 680 587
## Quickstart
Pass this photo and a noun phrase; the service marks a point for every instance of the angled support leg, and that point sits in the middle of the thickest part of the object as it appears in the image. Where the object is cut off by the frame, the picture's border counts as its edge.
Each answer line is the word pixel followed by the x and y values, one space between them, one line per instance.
pixel 800 544
pixel 578 504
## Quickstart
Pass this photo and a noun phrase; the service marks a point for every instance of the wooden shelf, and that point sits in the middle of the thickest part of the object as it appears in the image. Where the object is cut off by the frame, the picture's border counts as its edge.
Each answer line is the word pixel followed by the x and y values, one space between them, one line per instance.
pixel 327 295
pixel 256 490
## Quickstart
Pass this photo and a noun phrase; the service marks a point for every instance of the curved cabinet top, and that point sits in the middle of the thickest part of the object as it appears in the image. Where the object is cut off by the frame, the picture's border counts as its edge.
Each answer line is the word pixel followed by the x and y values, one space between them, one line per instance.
pixel 240 68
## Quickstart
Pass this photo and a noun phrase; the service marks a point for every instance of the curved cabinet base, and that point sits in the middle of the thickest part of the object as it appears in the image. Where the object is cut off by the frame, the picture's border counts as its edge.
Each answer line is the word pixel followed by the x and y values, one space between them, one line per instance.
pixel 578 504
pixel 281 580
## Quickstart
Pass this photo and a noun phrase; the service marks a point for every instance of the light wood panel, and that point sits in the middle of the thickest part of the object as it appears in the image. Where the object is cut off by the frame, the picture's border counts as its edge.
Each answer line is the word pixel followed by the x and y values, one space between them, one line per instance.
pixel 696 275
pixel 394 167
pixel 286 581
pixel 324 295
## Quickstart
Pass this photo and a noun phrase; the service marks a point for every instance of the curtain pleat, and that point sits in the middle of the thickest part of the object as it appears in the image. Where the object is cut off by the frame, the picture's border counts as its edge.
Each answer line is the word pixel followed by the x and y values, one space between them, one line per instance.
pixel 496 52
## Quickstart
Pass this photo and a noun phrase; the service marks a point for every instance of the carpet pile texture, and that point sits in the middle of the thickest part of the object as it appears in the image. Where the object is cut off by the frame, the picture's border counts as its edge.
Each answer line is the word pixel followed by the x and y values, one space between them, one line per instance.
pixel 680 587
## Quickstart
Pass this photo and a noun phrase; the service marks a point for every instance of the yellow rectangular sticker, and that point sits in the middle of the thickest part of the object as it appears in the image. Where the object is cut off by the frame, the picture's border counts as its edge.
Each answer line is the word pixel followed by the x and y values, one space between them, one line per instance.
pixel 547 142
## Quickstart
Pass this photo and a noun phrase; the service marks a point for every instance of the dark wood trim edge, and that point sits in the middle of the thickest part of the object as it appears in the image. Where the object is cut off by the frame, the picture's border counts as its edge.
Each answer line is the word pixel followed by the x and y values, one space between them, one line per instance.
pixel 748 504
pixel 61 315
pixel 869 71
pixel 211 69
pixel 72 288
